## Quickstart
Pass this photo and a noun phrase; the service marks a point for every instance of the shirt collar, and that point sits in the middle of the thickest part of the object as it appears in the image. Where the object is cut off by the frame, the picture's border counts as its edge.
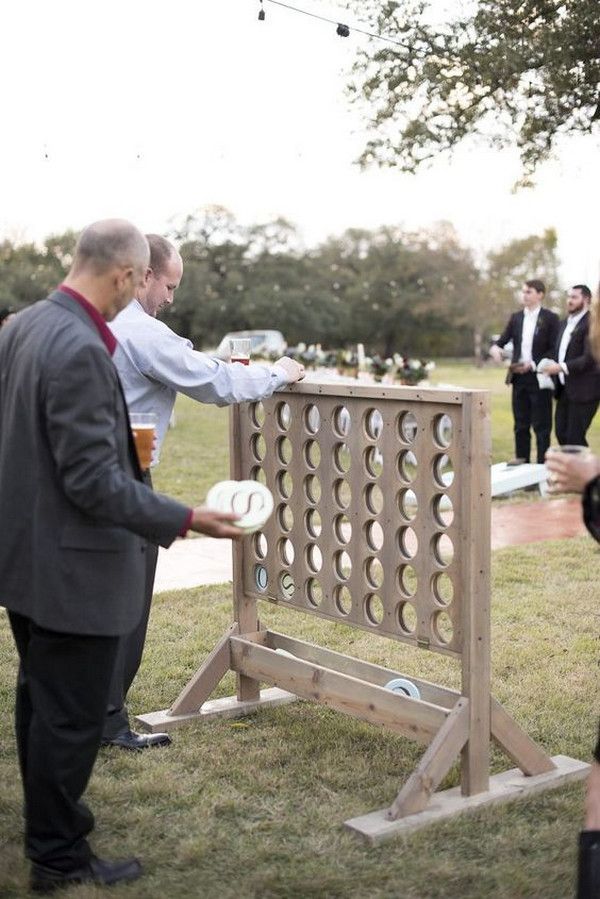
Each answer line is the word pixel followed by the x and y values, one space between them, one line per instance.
pixel 529 313
pixel 108 338
pixel 574 319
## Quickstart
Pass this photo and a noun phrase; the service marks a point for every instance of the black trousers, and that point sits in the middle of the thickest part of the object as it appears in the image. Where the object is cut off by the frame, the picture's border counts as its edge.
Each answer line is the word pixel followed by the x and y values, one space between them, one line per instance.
pixel 62 688
pixel 532 408
pixel 129 653
pixel 572 420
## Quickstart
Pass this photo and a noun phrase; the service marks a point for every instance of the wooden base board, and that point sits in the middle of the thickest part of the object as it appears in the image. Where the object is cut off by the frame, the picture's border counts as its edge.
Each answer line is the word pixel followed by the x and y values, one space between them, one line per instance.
pixel 228 707
pixel 376 828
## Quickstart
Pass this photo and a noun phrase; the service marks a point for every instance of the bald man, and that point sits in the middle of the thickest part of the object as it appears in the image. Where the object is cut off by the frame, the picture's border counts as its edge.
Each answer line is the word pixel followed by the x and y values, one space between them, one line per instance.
pixel 77 521
pixel 154 365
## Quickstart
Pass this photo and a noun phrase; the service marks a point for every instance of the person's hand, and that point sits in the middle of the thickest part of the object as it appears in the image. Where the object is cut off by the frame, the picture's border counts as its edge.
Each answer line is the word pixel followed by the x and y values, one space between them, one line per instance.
pixel 520 368
pixel 552 368
pixel 214 523
pixel 569 473
pixel 495 353
pixel 294 370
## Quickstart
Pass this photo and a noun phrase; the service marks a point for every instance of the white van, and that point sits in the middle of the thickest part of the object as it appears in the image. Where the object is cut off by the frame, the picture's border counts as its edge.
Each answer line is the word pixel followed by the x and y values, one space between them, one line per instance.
pixel 264 343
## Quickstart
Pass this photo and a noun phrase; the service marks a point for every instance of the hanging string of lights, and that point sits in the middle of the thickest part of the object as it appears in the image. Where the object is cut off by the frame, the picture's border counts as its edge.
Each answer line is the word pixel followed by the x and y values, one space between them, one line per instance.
pixel 342 29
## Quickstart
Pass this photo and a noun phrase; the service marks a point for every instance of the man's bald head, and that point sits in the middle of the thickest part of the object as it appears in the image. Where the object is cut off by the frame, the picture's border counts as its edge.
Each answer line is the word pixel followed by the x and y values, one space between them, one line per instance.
pixel 108 244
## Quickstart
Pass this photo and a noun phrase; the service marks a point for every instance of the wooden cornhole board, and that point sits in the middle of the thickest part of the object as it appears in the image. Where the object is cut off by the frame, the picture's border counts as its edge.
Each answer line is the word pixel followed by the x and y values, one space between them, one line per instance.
pixel 382 522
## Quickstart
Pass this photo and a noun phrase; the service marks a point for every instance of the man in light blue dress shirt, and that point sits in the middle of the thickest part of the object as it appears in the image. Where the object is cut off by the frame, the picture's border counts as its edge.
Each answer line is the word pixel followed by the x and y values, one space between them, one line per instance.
pixel 154 365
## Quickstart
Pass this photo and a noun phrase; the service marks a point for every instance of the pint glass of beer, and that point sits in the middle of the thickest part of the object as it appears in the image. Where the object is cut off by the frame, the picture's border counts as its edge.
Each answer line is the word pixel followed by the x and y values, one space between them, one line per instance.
pixel 143 426
pixel 240 350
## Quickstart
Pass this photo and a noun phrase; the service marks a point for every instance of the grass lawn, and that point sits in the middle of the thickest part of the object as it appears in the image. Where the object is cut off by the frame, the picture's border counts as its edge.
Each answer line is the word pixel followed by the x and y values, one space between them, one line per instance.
pixel 253 809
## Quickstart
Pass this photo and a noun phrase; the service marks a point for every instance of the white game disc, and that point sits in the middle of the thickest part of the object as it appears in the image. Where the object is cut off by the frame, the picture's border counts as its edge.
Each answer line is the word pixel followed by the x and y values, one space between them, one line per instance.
pixel 251 500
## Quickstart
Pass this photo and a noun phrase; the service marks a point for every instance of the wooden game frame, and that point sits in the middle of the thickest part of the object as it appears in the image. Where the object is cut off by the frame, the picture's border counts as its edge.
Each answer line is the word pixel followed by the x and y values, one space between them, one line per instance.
pixel 424 455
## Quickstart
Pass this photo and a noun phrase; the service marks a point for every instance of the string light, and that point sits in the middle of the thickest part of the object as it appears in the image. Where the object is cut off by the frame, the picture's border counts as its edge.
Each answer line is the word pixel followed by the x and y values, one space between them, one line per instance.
pixel 341 29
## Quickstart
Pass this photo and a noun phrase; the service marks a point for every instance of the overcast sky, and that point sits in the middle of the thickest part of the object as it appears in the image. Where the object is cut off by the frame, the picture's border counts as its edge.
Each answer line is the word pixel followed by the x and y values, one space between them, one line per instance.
pixel 149 111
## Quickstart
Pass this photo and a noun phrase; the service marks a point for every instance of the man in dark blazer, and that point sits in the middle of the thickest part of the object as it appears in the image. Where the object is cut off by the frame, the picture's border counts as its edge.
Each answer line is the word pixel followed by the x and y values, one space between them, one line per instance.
pixel 533 333
pixel 576 373
pixel 76 519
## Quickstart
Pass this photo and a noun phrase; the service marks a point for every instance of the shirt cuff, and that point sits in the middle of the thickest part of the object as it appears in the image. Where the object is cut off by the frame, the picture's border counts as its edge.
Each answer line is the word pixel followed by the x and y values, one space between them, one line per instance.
pixel 188 522
pixel 281 375
pixel 564 368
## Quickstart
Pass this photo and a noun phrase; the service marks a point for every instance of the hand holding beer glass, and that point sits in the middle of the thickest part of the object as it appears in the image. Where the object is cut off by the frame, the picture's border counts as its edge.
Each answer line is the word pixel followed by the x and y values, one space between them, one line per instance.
pixel 570 468
pixel 143 426
pixel 240 348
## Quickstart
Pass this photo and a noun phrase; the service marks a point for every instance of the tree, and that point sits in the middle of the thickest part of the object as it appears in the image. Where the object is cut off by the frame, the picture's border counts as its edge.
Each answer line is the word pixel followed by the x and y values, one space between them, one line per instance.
pixel 521 71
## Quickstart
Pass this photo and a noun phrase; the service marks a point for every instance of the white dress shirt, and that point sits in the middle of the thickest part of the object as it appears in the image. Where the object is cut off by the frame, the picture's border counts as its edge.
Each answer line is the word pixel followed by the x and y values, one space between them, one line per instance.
pixel 530 317
pixel 155 364
pixel 572 322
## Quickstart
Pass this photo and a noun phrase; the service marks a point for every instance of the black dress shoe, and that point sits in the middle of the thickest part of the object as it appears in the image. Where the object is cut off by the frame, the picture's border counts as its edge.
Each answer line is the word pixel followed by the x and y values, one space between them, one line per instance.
pixel 46 880
pixel 128 739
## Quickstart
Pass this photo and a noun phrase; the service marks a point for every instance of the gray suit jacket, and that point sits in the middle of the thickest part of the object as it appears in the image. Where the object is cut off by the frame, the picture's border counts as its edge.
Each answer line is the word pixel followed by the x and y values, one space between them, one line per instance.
pixel 74 515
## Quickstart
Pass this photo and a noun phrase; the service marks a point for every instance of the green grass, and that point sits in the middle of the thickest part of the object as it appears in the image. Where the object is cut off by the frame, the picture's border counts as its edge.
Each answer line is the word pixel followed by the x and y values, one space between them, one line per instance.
pixel 254 808
pixel 195 453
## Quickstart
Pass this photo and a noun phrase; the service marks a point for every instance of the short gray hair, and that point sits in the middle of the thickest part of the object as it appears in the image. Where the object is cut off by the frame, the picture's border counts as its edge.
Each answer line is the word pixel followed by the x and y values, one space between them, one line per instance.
pixel 161 253
pixel 110 242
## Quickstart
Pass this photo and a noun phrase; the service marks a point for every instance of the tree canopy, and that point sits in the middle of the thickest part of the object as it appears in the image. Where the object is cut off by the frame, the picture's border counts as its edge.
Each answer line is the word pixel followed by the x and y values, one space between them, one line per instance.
pixel 512 71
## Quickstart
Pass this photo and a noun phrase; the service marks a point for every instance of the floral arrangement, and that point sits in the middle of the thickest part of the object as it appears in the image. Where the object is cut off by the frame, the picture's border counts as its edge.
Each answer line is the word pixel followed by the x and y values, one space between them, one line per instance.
pixel 411 371
pixel 347 362
pixel 378 366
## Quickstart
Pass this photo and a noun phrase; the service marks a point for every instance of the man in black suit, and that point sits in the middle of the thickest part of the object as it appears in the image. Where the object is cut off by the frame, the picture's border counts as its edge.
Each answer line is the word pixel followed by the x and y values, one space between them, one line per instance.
pixel 533 333
pixel 576 372
pixel 76 520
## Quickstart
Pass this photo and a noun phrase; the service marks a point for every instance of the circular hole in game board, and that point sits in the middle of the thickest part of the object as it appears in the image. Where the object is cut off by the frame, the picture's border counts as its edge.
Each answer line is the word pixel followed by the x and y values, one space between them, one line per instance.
pixel 342 565
pixel 258 447
pixel 258 474
pixel 342 457
pixel 284 450
pixel 374 533
pixel 313 522
pixel 441 625
pixel 374 499
pixel 286 585
pixel 408 504
pixel 407 580
pixel 407 466
pixel 373 461
pixel 342 493
pixel 343 600
pixel 407 617
pixel 374 572
pixel 442 430
pixel 257 414
pixel 312 419
pixel 341 421
pixel 261 547
pixel 443 588
pixel 342 528
pixel 312 488
pixel 443 471
pixel 312 454
pixel 407 427
pixel 285 517
pixel 408 543
pixel 284 416
pixel 374 609
pixel 443 549
pixel 314 592
pixel 314 557
pixel 261 578
pixel 285 548
pixel 443 510
pixel 373 424
pixel 285 484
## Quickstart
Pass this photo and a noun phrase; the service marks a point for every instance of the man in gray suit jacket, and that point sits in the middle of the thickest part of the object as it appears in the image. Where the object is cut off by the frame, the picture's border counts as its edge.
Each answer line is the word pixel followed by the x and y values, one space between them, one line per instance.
pixel 76 520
